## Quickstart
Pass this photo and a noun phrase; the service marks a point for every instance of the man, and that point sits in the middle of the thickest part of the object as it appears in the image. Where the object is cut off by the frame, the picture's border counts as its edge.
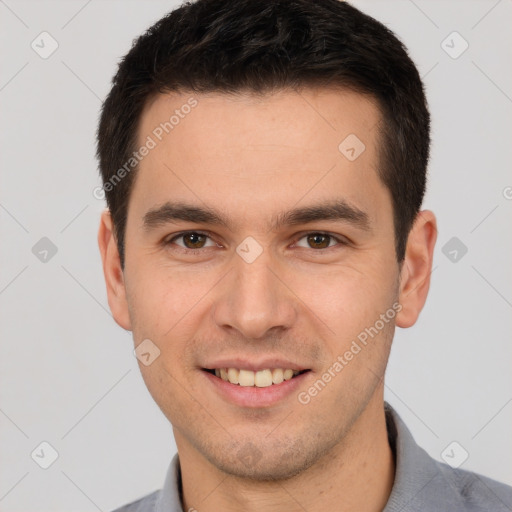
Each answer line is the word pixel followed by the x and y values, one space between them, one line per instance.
pixel 264 165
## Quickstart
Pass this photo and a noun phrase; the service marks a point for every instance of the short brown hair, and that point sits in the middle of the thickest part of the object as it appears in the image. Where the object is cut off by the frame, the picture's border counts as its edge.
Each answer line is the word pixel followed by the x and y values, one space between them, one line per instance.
pixel 253 45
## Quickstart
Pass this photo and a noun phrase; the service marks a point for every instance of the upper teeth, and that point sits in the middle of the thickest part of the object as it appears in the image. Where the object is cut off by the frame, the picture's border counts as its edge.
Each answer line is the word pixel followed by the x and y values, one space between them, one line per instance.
pixel 260 379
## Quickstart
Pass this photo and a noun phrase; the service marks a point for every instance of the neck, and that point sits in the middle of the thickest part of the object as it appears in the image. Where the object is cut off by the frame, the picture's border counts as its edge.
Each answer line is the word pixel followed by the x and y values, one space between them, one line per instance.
pixel 357 474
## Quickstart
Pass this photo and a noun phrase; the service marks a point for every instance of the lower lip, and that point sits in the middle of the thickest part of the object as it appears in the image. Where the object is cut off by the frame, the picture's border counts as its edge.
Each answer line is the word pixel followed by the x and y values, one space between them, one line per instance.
pixel 252 396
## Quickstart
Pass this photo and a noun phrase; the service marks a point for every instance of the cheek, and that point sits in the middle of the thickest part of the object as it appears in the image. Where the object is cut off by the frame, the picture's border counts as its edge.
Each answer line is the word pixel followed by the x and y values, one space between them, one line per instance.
pixel 166 389
pixel 161 298
pixel 347 299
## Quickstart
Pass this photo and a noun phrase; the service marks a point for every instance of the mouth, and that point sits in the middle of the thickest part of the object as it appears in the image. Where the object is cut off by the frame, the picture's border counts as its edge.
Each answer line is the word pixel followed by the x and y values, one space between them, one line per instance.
pixel 258 379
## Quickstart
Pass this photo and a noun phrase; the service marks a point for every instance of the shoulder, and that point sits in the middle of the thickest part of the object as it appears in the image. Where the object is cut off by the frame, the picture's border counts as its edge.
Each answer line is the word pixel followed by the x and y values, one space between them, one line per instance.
pixel 473 492
pixel 423 484
pixel 145 504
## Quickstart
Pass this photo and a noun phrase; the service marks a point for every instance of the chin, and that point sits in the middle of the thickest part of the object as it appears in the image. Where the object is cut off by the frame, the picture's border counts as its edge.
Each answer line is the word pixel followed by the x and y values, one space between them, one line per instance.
pixel 264 472
pixel 265 464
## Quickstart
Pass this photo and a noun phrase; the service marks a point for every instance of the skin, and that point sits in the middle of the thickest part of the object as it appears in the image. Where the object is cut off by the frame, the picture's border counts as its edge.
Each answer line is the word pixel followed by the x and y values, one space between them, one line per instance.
pixel 250 158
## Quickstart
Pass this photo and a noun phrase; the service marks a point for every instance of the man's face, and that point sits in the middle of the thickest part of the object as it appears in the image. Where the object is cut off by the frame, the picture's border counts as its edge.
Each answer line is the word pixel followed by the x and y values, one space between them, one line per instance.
pixel 260 292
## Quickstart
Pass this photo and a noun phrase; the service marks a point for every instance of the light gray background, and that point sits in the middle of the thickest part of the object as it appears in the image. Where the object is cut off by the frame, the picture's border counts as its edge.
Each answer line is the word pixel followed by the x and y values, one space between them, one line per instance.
pixel 68 374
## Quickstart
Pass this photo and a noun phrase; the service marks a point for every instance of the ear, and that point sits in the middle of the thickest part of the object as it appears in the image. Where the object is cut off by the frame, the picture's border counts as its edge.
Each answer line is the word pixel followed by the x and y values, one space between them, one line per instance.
pixel 416 268
pixel 114 278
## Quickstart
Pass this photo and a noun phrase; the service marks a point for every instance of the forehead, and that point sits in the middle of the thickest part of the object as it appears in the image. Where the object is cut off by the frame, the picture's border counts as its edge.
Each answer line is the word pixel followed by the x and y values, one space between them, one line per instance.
pixel 260 153
pixel 323 116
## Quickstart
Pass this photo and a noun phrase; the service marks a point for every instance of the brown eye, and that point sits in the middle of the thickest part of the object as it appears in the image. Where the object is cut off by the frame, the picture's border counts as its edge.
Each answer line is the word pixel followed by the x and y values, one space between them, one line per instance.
pixel 318 240
pixel 194 240
pixel 191 240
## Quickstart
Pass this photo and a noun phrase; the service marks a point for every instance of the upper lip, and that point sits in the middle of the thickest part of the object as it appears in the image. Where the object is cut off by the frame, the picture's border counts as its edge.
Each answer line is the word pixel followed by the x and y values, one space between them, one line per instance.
pixel 254 364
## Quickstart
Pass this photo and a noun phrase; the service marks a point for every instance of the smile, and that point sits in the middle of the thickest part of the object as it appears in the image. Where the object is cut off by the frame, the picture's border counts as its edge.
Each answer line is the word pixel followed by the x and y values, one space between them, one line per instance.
pixel 260 379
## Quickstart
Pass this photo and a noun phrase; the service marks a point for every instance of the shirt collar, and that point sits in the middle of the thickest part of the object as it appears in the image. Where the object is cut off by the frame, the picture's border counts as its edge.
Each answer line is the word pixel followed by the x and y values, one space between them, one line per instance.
pixel 414 471
pixel 169 499
pixel 414 468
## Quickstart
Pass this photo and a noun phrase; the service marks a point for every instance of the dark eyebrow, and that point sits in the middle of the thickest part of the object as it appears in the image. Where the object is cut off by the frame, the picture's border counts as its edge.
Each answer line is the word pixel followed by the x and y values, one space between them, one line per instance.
pixel 331 210
pixel 172 212
pixel 338 210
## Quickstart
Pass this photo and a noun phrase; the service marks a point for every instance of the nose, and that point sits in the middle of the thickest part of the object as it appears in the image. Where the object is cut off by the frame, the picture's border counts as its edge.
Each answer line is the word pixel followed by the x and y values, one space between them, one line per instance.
pixel 254 299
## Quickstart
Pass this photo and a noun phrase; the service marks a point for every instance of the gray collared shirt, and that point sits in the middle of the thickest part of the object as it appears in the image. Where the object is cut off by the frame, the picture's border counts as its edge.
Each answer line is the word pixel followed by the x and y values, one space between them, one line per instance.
pixel 421 483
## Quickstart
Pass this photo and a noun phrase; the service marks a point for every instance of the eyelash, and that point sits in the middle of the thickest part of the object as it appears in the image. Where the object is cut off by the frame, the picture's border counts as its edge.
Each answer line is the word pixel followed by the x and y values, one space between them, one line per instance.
pixel 340 241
